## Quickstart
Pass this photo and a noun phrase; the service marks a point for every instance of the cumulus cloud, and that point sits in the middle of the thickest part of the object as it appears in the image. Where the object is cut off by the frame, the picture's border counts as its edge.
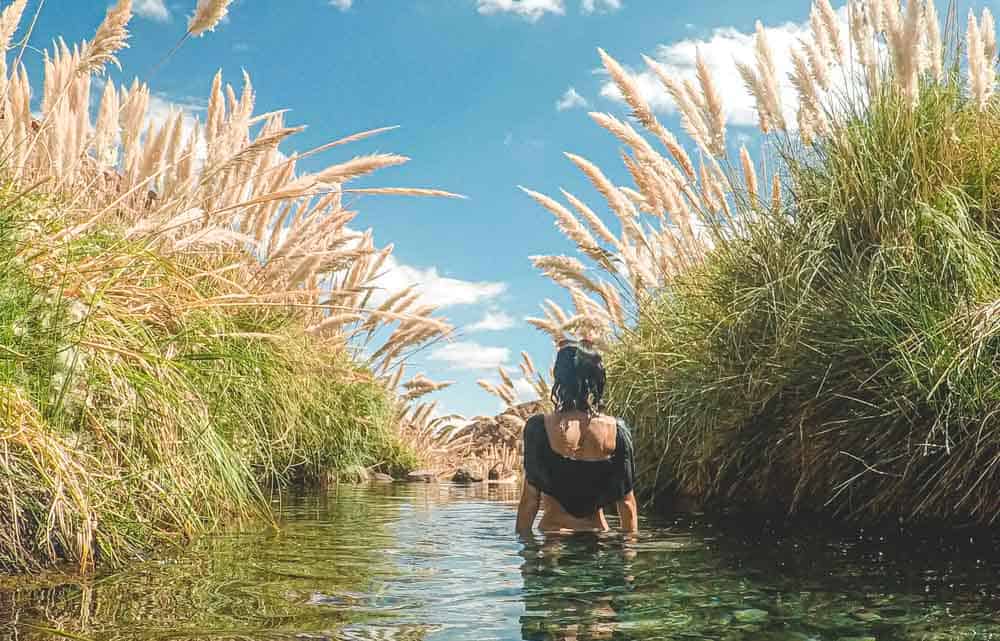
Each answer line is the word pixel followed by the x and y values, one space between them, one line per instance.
pixel 468 355
pixel 535 10
pixel 530 10
pixel 524 390
pixel 343 5
pixel 722 50
pixel 595 6
pixel 434 288
pixel 493 321
pixel 152 9
pixel 571 100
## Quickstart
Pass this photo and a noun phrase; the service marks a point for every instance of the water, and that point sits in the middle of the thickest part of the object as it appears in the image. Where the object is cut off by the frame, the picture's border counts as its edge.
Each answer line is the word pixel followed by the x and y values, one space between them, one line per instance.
pixel 439 563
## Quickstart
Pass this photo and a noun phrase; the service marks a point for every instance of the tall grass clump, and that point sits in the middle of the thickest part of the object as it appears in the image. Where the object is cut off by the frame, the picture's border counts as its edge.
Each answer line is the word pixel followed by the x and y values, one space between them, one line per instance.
pixel 819 332
pixel 186 317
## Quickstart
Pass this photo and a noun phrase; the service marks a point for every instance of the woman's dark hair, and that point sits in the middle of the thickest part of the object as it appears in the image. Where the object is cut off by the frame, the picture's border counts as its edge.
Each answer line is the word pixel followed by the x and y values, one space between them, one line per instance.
pixel 578 378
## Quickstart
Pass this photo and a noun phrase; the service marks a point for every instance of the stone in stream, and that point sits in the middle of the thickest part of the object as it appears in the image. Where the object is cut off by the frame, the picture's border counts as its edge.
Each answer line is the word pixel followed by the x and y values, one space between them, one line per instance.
pixel 867 616
pixel 465 476
pixel 500 473
pixel 421 476
pixel 751 616
pixel 381 477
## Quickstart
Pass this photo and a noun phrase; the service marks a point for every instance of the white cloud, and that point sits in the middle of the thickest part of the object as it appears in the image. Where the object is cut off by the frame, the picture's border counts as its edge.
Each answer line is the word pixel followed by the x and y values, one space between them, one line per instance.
pixel 152 9
pixel 571 100
pixel 434 288
pixel 594 6
pixel 722 50
pixel 530 10
pixel 493 321
pixel 343 5
pixel 470 356
pixel 524 390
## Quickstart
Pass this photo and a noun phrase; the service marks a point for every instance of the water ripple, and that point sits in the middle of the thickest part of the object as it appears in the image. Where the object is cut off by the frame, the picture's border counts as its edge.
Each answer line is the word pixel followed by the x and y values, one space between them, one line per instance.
pixel 440 563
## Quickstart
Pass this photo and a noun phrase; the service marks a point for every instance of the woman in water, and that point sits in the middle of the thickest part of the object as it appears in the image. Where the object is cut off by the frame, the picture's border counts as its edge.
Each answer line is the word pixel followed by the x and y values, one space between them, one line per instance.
pixel 577 460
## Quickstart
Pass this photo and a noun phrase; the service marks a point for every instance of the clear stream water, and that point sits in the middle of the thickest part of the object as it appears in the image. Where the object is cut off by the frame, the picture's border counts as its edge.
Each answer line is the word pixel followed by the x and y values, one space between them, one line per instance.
pixel 439 562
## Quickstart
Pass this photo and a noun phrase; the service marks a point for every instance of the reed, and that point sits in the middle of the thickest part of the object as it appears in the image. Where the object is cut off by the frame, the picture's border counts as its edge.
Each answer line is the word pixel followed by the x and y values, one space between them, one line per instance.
pixel 833 346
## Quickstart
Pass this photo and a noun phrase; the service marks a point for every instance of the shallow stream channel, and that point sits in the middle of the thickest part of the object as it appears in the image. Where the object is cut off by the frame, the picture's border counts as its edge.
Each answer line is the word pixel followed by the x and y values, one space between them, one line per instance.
pixel 434 562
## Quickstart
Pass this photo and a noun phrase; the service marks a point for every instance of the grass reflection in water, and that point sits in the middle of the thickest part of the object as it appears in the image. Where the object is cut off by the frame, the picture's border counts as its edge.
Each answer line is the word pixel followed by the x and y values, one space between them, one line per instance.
pixel 441 563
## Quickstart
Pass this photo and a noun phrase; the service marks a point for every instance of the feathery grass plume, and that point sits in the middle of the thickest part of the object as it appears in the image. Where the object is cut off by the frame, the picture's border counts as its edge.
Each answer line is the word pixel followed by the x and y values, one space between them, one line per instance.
pixel 810 110
pixel 355 168
pixel 988 30
pixel 819 64
pixel 775 193
pixel 932 41
pixel 10 18
pixel 568 224
pixel 405 191
pixel 908 74
pixel 547 326
pixel 508 382
pixel 630 92
pixel 625 133
pixel 903 36
pixel 692 118
pixel 420 386
pixel 831 26
pixel 863 39
pixel 612 302
pixel 111 37
pixel 890 17
pixel 106 130
pixel 819 34
pixel 749 174
pixel 607 189
pixel 207 14
pixel 716 119
pixel 980 74
pixel 755 88
pixel 873 9
pixel 564 269
pixel 762 83
pixel 642 111
pixel 555 312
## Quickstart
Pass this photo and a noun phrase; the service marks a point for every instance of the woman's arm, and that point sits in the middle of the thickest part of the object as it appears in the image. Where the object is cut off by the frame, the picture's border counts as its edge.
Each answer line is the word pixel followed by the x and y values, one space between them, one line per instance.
pixel 527 509
pixel 628 512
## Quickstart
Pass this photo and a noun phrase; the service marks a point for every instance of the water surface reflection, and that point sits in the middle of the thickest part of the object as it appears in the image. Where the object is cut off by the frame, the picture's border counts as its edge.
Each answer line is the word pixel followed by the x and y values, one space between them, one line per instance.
pixel 439 563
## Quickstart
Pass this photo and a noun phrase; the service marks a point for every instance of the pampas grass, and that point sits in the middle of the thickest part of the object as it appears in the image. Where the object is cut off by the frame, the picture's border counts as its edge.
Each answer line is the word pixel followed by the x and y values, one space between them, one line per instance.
pixel 207 15
pixel 111 37
pixel 811 352
pixel 218 280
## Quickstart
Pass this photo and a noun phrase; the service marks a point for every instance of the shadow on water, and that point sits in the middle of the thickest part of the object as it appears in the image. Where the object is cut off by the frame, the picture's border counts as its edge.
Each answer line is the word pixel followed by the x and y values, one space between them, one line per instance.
pixel 439 562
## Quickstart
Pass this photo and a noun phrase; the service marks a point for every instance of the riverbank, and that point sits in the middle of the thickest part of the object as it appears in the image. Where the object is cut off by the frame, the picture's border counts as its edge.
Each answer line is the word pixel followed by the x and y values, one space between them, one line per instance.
pixel 125 429
pixel 819 331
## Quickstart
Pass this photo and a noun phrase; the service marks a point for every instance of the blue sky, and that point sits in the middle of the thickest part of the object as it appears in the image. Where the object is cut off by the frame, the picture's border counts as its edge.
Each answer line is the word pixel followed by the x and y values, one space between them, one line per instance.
pixel 481 91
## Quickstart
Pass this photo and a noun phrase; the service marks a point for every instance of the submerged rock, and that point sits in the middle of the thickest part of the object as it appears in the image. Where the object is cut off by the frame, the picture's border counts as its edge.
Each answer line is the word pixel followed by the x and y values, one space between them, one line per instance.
pixel 463 475
pixel 751 615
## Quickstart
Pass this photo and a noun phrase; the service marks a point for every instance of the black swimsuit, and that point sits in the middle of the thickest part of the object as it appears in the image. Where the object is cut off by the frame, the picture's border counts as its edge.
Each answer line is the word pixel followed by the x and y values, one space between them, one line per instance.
pixel 580 487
